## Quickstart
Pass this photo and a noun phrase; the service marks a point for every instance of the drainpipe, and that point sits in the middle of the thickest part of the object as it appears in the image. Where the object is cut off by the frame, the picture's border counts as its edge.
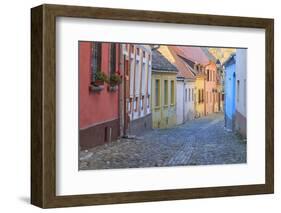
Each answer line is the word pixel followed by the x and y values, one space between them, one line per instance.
pixel 204 94
pixel 183 94
pixel 121 90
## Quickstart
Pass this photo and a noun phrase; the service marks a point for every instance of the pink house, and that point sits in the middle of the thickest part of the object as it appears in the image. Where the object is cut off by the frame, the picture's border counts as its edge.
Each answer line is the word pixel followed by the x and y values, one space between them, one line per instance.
pixel 98 101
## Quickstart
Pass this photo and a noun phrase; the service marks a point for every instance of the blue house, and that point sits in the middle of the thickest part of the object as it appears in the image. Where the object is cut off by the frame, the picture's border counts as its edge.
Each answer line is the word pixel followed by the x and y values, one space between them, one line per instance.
pixel 229 86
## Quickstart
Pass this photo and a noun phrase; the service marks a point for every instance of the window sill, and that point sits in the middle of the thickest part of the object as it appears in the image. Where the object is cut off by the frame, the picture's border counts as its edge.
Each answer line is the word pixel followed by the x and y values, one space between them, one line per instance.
pixel 94 88
pixel 112 88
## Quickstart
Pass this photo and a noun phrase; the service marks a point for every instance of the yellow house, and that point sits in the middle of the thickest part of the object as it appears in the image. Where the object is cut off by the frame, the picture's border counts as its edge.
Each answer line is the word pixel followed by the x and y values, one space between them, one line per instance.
pixel 200 92
pixel 163 92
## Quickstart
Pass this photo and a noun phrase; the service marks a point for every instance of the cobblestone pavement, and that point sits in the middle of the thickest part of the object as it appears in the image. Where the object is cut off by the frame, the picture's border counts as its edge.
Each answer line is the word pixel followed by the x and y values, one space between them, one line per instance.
pixel 202 141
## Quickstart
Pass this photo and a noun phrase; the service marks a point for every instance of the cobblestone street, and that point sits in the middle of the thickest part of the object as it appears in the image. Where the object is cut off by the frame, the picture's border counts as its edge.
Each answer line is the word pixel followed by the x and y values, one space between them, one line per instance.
pixel 202 141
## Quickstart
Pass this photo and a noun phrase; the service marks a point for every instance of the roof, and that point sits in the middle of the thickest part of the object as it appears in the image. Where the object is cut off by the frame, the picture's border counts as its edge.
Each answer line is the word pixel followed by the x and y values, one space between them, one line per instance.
pixel 230 59
pixel 190 64
pixel 159 62
pixel 171 54
pixel 195 54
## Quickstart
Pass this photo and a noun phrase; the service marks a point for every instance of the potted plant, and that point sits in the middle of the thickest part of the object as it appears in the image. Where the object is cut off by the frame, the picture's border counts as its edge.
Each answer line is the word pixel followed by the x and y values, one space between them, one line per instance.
pixel 97 84
pixel 100 78
pixel 114 80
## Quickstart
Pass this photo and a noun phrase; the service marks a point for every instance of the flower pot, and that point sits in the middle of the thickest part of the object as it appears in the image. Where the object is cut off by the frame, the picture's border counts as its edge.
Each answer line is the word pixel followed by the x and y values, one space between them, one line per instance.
pixel 112 88
pixel 98 82
pixel 95 88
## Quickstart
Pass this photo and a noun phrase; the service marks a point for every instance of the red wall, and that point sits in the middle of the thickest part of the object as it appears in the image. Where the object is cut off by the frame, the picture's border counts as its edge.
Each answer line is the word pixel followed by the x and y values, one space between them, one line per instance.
pixel 94 107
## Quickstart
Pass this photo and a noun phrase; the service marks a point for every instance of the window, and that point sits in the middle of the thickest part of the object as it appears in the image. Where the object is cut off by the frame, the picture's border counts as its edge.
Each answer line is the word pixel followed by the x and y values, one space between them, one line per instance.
pixel 189 94
pixel 208 75
pixel 157 92
pixel 112 58
pixel 132 77
pixel 149 75
pixel 172 92
pixel 132 49
pixel 141 102
pixel 136 104
pixel 143 54
pixel 192 94
pixel 126 66
pixel 96 59
pixel 129 105
pixel 200 96
pixel 137 77
pixel 165 92
pixel 238 91
pixel 245 92
pixel 143 77
pixel 207 98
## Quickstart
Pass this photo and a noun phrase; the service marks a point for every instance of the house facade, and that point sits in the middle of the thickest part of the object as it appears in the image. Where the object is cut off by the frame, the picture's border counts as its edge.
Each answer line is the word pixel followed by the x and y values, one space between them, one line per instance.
pixel 230 90
pixel 200 92
pixel 164 91
pixel 220 86
pixel 213 86
pixel 212 94
pixel 136 88
pixel 196 58
pixel 98 101
pixel 241 92
pixel 185 82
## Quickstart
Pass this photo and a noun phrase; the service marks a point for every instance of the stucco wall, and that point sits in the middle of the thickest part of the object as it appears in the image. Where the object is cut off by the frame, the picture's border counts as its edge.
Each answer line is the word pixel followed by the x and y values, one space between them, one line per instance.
pixel 140 80
pixel 230 90
pixel 241 93
pixel 210 87
pixel 95 107
pixel 163 116
pixel 185 101
pixel 199 107
pixel 180 101
pixel 241 75
pixel 190 112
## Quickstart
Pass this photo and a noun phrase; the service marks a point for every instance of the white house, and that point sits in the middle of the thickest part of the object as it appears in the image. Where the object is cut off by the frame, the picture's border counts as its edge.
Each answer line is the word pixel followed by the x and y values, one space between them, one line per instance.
pixel 137 65
pixel 185 99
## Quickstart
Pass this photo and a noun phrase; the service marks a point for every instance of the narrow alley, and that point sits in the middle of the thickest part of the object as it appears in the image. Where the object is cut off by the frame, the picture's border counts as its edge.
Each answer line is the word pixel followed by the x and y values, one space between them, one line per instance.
pixel 202 141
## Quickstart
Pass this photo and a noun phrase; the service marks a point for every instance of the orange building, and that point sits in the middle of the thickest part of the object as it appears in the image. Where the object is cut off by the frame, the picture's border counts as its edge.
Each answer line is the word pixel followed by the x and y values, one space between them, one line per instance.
pixel 213 86
pixel 211 92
